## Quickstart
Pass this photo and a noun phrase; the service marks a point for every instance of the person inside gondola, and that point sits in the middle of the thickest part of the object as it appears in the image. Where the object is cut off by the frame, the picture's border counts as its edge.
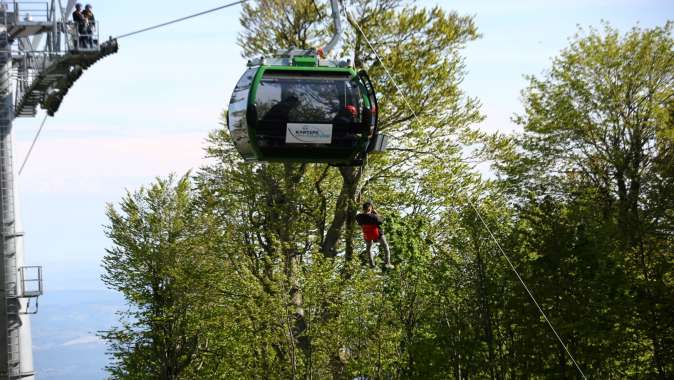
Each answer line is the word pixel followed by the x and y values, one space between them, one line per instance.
pixel 370 222
pixel 346 115
pixel 81 25
pixel 281 110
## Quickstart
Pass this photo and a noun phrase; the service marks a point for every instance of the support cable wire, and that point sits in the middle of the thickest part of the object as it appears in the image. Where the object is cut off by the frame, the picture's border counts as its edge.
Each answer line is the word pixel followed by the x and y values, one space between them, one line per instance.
pixel 559 338
pixel 472 204
pixel 388 73
pixel 30 150
pixel 180 19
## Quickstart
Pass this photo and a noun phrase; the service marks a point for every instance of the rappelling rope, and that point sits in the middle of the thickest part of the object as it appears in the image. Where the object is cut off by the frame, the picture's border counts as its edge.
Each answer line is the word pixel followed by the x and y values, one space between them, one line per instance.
pixel 181 19
pixel 363 190
pixel 30 150
pixel 472 204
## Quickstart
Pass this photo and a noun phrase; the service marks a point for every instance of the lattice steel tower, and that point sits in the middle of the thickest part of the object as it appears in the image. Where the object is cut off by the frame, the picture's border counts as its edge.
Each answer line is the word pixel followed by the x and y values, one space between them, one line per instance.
pixel 42 54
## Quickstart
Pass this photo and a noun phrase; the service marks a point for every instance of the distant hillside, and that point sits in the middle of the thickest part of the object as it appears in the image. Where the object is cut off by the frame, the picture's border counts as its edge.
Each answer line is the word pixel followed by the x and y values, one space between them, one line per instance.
pixel 65 345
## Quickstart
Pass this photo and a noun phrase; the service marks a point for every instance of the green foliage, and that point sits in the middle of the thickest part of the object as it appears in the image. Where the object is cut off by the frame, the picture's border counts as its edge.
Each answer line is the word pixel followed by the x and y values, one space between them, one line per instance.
pixel 271 25
pixel 157 262
pixel 592 175
pixel 255 270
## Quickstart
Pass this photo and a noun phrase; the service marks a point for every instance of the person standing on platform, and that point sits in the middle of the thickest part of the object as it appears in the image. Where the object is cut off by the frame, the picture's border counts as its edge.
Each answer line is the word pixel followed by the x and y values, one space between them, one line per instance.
pixel 81 25
pixel 88 15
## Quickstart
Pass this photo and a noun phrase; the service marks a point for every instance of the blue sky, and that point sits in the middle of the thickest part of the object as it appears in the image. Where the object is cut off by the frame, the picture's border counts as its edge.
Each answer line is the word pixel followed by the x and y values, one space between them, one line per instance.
pixel 146 111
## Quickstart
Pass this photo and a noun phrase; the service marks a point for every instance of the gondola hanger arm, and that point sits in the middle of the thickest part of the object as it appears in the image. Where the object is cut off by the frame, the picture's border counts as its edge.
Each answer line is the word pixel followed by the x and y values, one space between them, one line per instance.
pixel 337 36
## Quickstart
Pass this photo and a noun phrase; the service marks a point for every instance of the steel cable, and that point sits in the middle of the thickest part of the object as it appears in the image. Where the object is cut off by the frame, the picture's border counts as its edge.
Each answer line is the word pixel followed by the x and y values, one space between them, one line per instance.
pixel 30 150
pixel 180 19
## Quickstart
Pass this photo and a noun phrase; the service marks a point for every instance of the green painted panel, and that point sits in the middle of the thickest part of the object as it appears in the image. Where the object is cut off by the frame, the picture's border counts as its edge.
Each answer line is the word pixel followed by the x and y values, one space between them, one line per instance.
pixel 305 61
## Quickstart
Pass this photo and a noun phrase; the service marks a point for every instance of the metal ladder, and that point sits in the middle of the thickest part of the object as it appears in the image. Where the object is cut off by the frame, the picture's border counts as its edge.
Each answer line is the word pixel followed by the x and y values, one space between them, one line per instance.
pixel 12 303
pixel 14 343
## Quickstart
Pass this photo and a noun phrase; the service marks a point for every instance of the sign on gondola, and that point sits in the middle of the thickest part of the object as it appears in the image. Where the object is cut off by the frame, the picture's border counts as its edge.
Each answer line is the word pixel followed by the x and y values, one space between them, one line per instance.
pixel 298 133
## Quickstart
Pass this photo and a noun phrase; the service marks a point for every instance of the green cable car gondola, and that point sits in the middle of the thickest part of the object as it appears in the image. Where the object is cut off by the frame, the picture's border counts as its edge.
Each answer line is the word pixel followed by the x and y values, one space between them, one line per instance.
pixel 300 108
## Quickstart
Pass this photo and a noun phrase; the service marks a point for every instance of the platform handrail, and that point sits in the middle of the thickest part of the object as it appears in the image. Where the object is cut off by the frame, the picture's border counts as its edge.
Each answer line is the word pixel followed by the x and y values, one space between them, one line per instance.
pixel 31 286
pixel 25 11
pixel 82 41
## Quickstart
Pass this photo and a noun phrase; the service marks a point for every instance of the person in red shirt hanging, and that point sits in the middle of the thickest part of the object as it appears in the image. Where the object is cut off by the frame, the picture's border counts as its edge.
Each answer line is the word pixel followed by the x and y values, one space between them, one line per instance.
pixel 370 222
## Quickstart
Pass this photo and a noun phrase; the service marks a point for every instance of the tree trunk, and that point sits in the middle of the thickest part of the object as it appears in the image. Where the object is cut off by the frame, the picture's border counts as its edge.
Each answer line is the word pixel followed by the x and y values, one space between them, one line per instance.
pixel 485 310
pixel 345 211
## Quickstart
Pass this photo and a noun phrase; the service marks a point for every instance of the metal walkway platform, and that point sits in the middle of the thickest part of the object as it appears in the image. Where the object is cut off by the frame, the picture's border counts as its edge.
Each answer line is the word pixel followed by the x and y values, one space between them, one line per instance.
pixel 28 28
pixel 53 83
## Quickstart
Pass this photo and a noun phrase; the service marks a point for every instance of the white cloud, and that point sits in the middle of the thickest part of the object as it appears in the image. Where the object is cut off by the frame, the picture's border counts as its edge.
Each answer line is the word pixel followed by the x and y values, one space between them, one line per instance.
pixel 86 339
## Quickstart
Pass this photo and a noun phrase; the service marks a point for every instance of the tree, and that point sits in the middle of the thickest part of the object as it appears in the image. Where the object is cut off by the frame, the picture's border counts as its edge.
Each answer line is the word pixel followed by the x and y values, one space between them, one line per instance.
pixel 284 198
pixel 597 139
pixel 159 262
pixel 281 294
